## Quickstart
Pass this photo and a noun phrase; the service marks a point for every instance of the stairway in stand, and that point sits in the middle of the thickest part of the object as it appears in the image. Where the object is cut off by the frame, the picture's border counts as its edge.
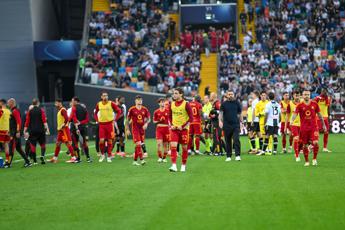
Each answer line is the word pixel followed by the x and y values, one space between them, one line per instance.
pixel 208 73
pixel 250 25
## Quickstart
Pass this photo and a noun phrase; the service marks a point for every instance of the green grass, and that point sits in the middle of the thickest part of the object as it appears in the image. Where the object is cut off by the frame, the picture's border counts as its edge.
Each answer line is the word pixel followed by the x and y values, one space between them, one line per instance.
pixel 268 192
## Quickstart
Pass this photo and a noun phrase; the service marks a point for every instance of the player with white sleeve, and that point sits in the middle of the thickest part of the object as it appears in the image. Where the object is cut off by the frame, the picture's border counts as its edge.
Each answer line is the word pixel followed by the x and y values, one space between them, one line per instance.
pixel 272 115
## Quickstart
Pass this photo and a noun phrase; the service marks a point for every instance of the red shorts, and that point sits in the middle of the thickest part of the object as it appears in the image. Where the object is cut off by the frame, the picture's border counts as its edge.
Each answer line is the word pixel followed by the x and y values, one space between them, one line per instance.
pixel 4 136
pixel 106 131
pixel 179 136
pixel 138 135
pixel 308 136
pixel 319 124
pixel 64 135
pixel 163 133
pixel 195 129
pixel 294 130
pixel 282 127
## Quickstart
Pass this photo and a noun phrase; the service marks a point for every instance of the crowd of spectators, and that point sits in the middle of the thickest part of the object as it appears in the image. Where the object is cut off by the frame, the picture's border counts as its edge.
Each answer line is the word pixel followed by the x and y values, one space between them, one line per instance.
pixel 128 48
pixel 299 44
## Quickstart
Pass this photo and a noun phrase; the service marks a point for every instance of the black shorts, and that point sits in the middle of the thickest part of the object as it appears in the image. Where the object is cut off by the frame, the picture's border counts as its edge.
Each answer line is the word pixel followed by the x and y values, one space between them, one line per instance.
pixel 37 137
pixel 250 127
pixel 208 127
pixel 256 127
pixel 82 130
pixel 271 130
pixel 121 131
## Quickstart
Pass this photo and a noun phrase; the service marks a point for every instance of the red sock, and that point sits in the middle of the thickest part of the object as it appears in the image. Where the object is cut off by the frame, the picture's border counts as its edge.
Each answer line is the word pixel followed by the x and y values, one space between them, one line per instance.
pixel 33 148
pixel 101 147
pixel 325 140
pixel 57 150
pixel 284 141
pixel 315 150
pixel 165 155
pixel 110 148
pixel 7 153
pixel 173 155
pixel 290 140
pixel 136 152
pixel 296 148
pixel 70 149
pixel 197 143
pixel 159 152
pixel 140 153
pixel 184 155
pixel 306 153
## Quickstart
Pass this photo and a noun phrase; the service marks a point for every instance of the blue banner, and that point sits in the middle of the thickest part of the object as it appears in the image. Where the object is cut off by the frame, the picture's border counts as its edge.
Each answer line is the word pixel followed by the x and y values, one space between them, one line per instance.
pixel 56 50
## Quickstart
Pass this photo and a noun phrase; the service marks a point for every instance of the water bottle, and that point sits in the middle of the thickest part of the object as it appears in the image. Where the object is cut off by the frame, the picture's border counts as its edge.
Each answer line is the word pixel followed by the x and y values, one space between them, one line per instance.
pixel 1 162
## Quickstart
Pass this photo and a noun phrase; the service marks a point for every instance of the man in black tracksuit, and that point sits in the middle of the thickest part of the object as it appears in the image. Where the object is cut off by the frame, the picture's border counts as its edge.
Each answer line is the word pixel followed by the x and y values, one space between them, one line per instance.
pixel 120 137
pixel 217 147
pixel 36 129
pixel 230 121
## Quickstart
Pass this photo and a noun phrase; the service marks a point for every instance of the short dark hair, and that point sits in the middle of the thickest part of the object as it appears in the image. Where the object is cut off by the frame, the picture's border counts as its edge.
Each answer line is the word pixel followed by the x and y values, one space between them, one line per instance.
pixel 76 99
pixel 296 92
pixel 180 90
pixel 160 99
pixel 3 101
pixel 119 97
pixel 138 97
pixel 35 101
pixel 271 96
pixel 58 100
pixel 256 93
pixel 197 98
pixel 285 92
pixel 104 92
pixel 263 92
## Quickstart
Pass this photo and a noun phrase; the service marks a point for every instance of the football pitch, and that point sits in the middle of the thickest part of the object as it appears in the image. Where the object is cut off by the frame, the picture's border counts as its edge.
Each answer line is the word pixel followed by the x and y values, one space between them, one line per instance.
pixel 267 192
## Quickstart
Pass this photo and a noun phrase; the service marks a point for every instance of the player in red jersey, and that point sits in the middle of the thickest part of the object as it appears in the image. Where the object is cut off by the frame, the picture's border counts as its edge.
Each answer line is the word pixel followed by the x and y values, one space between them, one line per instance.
pixel 161 117
pixel 284 118
pixel 295 125
pixel 64 135
pixel 139 118
pixel 195 127
pixel 181 116
pixel 309 134
pixel 324 102
pixel 104 115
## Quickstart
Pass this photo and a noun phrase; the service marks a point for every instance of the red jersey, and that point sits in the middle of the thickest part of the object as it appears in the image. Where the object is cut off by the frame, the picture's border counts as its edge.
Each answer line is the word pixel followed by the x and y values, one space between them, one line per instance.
pixel 308 114
pixel 324 102
pixel 161 116
pixel 138 116
pixel 196 112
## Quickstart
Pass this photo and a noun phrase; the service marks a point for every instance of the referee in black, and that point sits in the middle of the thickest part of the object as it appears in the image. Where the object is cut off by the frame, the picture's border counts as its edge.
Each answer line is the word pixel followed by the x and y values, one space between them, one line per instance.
pixel 230 118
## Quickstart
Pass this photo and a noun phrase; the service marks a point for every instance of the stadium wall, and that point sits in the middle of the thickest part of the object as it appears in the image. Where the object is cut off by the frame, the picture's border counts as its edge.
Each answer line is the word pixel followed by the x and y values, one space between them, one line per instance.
pixel 90 95
pixel 44 24
pixel 17 69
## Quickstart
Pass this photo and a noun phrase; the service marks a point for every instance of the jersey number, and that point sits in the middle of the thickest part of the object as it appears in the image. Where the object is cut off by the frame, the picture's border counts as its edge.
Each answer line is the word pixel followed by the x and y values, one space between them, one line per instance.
pixel 275 111
pixel 195 111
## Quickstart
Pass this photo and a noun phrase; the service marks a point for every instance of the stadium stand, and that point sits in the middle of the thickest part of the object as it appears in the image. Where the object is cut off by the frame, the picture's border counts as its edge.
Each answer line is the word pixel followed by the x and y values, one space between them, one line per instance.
pixel 299 44
pixel 281 45
pixel 128 48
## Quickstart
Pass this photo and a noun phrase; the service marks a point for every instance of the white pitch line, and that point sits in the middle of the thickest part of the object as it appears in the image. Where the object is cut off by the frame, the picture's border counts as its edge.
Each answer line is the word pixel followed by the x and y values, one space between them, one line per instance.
pixel 48 154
